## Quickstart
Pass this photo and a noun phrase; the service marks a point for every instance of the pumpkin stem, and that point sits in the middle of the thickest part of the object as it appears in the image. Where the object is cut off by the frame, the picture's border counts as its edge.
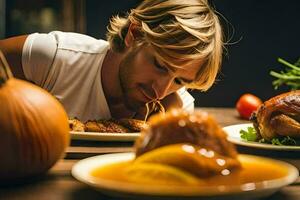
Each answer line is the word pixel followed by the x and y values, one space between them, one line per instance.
pixel 5 72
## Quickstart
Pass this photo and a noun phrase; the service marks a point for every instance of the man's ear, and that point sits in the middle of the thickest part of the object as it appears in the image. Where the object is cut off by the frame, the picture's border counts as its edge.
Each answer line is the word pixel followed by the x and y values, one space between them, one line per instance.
pixel 132 33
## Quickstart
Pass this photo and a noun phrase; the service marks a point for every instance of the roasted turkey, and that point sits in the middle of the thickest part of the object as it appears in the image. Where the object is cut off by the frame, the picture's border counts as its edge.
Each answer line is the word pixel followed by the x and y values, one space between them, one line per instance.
pixel 278 116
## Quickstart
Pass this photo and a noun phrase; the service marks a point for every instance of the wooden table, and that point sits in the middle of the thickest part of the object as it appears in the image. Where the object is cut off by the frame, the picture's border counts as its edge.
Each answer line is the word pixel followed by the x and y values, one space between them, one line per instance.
pixel 58 184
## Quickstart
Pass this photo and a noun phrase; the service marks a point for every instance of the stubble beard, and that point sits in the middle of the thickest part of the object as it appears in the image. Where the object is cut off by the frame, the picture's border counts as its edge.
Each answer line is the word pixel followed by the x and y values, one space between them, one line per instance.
pixel 125 80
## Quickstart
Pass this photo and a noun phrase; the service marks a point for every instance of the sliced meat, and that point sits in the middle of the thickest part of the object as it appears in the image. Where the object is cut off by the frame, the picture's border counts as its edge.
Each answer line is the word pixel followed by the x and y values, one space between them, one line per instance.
pixel 133 124
pixel 76 125
pixel 112 126
pixel 93 126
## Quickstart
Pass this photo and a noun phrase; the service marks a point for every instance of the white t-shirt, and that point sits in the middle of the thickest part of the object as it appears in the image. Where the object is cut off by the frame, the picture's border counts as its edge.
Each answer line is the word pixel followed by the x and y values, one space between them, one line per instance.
pixel 68 65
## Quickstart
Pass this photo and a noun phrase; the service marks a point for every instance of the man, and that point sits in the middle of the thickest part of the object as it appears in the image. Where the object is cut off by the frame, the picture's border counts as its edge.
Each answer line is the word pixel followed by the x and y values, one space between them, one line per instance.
pixel 160 48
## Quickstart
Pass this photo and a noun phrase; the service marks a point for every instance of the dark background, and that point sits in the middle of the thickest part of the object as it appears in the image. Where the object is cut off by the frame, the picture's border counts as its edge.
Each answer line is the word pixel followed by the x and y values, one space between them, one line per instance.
pixel 257 32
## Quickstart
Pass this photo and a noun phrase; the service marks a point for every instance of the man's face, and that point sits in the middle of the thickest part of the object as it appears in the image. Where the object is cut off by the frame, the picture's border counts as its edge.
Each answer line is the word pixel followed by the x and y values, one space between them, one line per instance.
pixel 144 78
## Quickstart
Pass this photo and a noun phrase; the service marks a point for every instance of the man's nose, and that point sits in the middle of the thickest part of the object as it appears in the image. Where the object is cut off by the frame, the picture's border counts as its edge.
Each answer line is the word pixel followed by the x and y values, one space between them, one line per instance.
pixel 162 86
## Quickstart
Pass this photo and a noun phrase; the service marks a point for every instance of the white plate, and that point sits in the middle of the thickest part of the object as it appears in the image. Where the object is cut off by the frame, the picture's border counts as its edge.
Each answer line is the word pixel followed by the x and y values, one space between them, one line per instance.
pixel 81 171
pixel 233 133
pixel 96 136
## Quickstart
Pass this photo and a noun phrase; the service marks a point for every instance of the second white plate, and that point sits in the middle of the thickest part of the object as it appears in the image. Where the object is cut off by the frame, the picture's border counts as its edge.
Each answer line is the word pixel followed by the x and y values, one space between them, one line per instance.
pixel 233 132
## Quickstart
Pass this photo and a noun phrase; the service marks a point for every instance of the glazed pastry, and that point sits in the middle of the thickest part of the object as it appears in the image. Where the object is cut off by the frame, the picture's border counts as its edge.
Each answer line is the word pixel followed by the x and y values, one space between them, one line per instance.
pixel 202 143
pixel 181 127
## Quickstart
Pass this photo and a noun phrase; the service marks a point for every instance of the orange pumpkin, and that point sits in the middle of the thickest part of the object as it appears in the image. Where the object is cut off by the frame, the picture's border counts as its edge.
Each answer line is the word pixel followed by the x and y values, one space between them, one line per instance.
pixel 34 129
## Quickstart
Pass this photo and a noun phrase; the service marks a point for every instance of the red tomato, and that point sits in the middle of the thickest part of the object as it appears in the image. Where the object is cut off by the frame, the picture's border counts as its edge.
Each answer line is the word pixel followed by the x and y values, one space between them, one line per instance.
pixel 247 104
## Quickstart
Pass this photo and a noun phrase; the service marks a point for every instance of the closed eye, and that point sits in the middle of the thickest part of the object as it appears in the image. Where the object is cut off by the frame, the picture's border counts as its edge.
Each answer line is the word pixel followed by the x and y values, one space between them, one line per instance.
pixel 182 81
pixel 160 67
pixel 178 81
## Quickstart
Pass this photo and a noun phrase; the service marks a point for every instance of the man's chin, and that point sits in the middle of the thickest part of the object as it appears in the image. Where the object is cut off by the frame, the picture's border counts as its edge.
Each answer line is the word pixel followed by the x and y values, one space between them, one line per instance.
pixel 134 105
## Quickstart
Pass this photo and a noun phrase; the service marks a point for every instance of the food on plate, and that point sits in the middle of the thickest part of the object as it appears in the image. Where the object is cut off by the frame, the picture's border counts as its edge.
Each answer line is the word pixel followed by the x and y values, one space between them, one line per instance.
pixel 278 117
pixel 76 125
pixel 193 142
pixel 194 159
pixel 34 128
pixel 159 173
pixel 124 125
pixel 183 149
pixel 133 125
pixel 247 104
pixel 107 126
pixel 178 126
pixel 250 135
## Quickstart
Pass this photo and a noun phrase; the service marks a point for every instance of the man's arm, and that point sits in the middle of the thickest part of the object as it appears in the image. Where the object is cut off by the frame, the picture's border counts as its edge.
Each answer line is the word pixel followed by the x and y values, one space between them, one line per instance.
pixel 12 50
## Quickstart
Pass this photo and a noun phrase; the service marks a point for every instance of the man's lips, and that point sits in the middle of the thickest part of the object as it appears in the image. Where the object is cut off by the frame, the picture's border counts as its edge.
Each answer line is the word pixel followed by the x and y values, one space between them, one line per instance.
pixel 148 97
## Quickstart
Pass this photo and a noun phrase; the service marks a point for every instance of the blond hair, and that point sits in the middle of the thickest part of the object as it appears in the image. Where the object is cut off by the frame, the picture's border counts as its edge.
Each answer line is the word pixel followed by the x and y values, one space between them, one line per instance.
pixel 178 31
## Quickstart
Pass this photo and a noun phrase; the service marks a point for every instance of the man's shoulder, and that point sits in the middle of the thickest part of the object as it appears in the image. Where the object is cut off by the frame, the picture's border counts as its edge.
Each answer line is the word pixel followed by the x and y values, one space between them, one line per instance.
pixel 79 42
pixel 187 99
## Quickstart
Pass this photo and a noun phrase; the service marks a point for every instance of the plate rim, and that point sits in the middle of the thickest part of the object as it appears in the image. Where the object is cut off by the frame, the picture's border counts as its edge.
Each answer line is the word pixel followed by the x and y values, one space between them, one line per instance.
pixel 241 142
pixel 104 136
pixel 179 191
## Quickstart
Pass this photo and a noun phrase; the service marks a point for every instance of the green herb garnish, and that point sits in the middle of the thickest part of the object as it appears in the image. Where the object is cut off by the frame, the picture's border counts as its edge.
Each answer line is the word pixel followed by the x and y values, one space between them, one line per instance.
pixel 289 77
pixel 284 141
pixel 250 135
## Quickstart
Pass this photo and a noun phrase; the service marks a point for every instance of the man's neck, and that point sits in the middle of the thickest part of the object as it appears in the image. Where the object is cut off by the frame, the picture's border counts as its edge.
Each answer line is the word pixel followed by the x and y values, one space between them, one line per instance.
pixel 112 86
